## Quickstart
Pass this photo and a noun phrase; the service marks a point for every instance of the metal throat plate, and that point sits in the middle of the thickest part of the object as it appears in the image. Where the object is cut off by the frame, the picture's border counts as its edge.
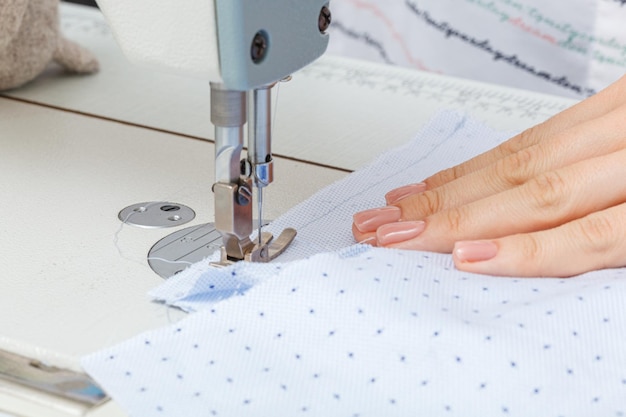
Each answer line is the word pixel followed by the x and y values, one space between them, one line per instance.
pixel 156 214
pixel 176 251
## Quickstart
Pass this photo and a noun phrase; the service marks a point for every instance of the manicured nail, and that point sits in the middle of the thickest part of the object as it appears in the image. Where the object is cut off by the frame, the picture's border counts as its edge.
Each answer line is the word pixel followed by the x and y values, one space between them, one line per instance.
pixel 370 220
pixel 399 232
pixel 398 194
pixel 475 251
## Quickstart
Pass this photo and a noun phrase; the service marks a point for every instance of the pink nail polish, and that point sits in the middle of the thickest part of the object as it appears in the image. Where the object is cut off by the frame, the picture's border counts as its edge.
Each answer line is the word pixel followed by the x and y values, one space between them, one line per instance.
pixel 399 232
pixel 398 194
pixel 370 220
pixel 475 251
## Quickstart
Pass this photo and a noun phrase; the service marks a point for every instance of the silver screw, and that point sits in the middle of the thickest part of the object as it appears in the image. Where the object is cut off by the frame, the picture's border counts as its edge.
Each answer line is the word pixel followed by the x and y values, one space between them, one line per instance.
pixel 324 19
pixel 244 195
pixel 258 50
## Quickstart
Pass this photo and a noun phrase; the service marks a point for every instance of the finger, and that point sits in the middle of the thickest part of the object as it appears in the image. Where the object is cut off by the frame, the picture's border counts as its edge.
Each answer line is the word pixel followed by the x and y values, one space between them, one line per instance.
pixel 403 192
pixel 593 242
pixel 597 137
pixel 365 238
pixel 505 173
pixel 370 220
pixel 501 176
pixel 518 142
pixel 604 102
pixel 366 222
pixel 546 201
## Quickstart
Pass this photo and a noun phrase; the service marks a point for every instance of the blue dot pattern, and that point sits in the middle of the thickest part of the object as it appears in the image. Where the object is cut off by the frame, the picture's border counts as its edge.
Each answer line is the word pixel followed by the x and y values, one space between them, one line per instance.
pixel 377 332
pixel 324 221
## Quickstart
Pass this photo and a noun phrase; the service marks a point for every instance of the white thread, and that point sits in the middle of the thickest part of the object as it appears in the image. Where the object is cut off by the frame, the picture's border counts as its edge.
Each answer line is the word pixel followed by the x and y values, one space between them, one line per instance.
pixel 275 106
pixel 119 230
pixel 153 258
pixel 124 222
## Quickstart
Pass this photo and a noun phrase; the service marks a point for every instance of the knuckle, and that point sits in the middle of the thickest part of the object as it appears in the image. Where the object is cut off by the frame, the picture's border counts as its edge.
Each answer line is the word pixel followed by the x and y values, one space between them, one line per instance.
pixel 521 141
pixel 596 231
pixel 516 168
pixel 530 248
pixel 432 202
pixel 527 137
pixel 454 221
pixel 445 176
pixel 458 171
pixel 547 191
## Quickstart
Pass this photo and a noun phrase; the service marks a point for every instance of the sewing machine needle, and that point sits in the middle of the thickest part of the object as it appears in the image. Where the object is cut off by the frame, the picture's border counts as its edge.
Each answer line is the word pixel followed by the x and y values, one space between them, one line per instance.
pixel 260 207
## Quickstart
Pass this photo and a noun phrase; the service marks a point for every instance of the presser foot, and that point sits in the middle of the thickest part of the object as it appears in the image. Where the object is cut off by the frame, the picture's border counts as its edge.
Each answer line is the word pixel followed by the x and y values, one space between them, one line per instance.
pixel 268 250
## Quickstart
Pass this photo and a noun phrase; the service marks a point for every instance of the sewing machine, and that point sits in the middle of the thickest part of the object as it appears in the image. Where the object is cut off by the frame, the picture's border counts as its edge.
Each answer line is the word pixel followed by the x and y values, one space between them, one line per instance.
pixel 243 49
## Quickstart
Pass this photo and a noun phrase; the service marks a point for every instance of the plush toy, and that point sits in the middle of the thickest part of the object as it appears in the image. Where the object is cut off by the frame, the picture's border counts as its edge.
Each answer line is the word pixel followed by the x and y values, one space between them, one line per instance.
pixel 30 39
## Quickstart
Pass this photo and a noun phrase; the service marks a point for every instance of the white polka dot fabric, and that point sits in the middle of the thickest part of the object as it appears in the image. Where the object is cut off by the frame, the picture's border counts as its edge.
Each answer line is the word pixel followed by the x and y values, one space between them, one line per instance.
pixel 360 331
pixel 376 332
pixel 324 222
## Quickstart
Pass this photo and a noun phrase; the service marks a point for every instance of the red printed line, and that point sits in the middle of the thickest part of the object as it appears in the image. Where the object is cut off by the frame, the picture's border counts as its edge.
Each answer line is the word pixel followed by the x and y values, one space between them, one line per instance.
pixel 519 23
pixel 359 4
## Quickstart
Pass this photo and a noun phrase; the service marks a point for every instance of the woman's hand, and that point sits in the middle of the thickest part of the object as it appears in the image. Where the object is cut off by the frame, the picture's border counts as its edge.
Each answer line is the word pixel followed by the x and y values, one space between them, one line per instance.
pixel 550 201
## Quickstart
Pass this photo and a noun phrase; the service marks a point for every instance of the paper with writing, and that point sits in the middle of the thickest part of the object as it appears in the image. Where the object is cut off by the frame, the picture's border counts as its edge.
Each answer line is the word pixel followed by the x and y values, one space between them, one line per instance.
pixel 571 49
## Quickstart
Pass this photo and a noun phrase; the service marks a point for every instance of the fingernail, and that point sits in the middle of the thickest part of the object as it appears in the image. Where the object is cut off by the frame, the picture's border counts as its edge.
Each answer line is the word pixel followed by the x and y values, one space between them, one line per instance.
pixel 370 220
pixel 399 232
pixel 475 251
pixel 398 194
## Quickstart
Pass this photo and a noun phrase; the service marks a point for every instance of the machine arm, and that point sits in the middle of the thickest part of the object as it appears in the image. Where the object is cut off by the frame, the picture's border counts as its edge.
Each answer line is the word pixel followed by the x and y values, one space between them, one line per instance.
pixel 242 48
